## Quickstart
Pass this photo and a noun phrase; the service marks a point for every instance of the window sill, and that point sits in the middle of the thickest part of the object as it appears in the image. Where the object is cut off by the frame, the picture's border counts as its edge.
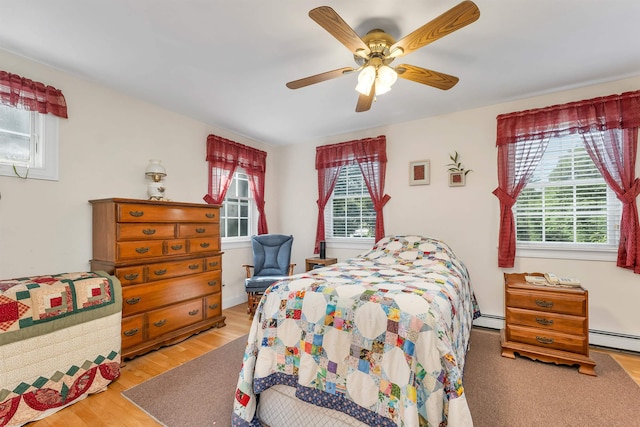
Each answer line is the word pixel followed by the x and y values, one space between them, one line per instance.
pixel 236 243
pixel 350 243
pixel 575 254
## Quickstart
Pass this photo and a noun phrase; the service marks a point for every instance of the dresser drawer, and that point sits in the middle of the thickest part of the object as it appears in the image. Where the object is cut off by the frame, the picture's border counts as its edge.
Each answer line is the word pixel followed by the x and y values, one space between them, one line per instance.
pixel 145 231
pixel 176 247
pixel 549 321
pixel 139 250
pixel 132 212
pixel 198 230
pixel 175 317
pixel 213 263
pixel 132 330
pixel 167 270
pixel 213 305
pixel 557 302
pixel 204 244
pixel 149 296
pixel 547 339
pixel 130 275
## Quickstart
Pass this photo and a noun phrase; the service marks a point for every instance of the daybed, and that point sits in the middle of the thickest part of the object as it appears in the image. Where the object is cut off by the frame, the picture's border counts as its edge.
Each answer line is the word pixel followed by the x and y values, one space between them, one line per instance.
pixel 59 342
pixel 380 340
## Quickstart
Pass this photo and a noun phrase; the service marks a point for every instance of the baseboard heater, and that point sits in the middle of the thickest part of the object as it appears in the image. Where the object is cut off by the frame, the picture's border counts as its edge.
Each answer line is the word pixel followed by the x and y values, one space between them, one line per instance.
pixel 597 337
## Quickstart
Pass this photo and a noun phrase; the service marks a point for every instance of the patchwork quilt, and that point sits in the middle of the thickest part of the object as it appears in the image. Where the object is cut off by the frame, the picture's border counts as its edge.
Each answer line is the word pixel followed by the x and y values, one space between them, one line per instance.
pixel 382 337
pixel 28 304
pixel 59 342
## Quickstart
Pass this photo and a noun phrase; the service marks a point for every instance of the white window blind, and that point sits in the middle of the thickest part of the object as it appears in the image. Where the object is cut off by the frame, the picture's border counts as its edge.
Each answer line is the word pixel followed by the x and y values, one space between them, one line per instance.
pixel 350 212
pixel 567 204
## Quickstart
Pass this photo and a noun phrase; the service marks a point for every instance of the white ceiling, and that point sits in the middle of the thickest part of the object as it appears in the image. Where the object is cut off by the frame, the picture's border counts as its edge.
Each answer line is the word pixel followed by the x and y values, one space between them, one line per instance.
pixel 226 62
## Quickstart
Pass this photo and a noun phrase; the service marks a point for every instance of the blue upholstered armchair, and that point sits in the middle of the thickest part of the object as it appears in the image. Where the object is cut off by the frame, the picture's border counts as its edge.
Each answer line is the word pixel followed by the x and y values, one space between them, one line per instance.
pixel 271 262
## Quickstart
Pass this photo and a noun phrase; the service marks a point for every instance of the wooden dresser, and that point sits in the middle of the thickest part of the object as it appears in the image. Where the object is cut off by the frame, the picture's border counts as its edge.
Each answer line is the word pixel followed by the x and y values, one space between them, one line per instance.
pixel 546 323
pixel 167 256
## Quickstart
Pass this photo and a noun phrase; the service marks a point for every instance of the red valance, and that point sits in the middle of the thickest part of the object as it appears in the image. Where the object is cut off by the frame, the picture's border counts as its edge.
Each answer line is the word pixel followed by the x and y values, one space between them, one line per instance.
pixel 222 151
pixel 609 112
pixel 344 153
pixel 23 93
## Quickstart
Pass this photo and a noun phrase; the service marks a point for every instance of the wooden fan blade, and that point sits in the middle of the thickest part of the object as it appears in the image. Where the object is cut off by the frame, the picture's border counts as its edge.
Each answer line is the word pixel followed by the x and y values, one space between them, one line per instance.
pixel 328 19
pixel 297 84
pixel 426 77
pixel 455 18
pixel 365 101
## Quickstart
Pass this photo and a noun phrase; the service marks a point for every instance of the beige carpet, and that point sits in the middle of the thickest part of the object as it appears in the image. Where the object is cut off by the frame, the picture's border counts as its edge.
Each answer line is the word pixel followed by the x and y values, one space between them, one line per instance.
pixel 501 392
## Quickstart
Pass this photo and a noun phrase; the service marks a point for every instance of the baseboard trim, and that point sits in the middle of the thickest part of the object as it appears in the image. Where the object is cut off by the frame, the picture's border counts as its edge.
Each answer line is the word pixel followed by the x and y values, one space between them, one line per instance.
pixel 596 337
pixel 233 301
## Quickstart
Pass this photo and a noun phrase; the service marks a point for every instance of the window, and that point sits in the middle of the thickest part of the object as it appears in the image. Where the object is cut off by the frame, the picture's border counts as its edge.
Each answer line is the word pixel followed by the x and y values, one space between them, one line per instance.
pixel 28 144
pixel 567 204
pixel 350 212
pixel 238 211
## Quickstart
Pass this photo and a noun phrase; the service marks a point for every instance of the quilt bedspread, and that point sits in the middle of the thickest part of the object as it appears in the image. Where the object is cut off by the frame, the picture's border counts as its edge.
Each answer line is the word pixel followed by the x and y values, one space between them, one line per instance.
pixel 382 337
pixel 29 304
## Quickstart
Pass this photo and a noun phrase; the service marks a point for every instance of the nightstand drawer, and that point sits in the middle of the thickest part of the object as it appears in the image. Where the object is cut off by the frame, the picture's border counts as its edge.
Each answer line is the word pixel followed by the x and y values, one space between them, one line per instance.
pixel 547 339
pixel 556 302
pixel 549 321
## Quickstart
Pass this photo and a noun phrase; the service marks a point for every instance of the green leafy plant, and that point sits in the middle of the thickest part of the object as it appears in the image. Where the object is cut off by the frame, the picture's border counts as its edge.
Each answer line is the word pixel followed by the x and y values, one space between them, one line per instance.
pixel 456 165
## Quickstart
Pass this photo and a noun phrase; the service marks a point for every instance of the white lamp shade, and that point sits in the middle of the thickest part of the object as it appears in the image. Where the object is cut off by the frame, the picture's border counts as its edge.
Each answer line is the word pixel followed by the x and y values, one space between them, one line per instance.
pixel 387 76
pixel 155 168
pixel 366 79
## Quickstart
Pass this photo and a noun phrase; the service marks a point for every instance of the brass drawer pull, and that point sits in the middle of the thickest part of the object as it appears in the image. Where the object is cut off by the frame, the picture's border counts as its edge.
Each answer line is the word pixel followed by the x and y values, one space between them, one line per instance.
pixel 176 247
pixel 133 300
pixel 213 264
pixel 131 332
pixel 544 304
pixel 194 266
pixel 214 306
pixel 132 276
pixel 200 230
pixel 137 214
pixel 210 215
pixel 160 272
pixel 194 312
pixel 204 245
pixel 142 250
pixel 544 340
pixel 149 231
pixel 543 321
pixel 160 323
pixel 212 283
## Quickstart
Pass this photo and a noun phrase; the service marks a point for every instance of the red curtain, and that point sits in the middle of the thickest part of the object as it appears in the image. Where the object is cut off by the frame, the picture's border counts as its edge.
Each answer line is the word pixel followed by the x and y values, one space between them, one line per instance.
pixel 609 126
pixel 224 157
pixel 371 156
pixel 23 93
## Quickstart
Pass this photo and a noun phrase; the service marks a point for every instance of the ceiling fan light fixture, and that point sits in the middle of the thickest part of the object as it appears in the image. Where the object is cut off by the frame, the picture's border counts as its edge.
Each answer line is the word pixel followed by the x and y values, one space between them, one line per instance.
pixel 386 77
pixel 365 79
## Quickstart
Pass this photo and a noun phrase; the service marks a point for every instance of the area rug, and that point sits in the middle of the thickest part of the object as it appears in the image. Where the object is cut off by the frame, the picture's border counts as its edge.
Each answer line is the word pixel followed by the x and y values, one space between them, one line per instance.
pixel 501 392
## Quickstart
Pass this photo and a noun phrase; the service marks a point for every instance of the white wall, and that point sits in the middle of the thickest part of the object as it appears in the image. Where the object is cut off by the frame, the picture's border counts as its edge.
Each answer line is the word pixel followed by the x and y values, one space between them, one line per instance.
pixel 465 217
pixel 45 226
pixel 105 146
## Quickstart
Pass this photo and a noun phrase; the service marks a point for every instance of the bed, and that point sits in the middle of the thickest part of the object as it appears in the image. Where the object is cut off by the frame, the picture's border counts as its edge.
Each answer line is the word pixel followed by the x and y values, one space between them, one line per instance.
pixel 379 339
pixel 59 342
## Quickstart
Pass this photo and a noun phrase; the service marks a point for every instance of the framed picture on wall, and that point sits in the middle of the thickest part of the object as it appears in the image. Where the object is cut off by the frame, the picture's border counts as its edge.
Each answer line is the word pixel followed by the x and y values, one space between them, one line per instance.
pixel 456 179
pixel 419 172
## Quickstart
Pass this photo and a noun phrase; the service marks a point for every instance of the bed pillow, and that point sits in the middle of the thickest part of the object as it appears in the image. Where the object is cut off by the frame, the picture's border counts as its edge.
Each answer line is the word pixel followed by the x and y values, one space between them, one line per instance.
pixel 402 248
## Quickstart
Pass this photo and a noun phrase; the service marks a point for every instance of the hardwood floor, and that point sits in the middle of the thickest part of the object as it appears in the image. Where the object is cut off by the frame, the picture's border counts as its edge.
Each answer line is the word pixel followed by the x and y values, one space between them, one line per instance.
pixel 110 408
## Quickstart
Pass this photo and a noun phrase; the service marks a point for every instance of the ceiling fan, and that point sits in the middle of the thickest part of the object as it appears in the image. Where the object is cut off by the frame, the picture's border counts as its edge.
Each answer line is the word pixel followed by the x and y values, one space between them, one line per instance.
pixel 376 50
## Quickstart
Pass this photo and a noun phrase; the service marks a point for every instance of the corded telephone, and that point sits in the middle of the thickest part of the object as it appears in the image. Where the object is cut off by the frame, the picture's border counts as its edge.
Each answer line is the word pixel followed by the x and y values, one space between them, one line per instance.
pixel 550 279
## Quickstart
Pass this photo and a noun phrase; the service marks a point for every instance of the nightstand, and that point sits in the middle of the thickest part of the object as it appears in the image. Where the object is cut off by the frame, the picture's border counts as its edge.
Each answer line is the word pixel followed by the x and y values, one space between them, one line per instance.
pixel 311 263
pixel 546 323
